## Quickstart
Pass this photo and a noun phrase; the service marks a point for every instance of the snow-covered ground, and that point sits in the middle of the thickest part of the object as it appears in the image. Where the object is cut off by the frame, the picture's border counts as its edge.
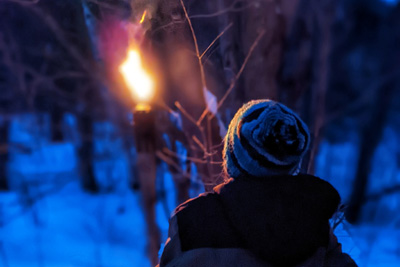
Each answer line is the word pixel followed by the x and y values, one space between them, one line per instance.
pixel 72 228
pixel 65 226
pixel 376 242
pixel 53 222
pixel 69 227
pixel 48 220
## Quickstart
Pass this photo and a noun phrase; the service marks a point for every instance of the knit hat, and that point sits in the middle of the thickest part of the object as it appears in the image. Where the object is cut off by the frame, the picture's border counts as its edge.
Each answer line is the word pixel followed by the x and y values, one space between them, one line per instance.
pixel 264 138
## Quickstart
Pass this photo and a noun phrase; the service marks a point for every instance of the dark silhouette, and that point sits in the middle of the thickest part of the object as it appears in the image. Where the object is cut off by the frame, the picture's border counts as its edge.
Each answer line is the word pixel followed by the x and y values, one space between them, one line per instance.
pixel 265 214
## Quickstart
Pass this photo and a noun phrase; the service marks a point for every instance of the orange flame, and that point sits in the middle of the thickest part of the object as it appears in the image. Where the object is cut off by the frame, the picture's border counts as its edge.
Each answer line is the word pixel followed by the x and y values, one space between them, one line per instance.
pixel 143 16
pixel 139 82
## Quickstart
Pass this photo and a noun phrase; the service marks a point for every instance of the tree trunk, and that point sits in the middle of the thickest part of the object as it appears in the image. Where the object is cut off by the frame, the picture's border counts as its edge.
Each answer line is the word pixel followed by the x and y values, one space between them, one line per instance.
pixel 147 180
pixel 231 53
pixel 261 70
pixel 56 125
pixel 304 75
pixel 324 16
pixel 4 125
pixel 86 154
pixel 371 135
pixel 295 73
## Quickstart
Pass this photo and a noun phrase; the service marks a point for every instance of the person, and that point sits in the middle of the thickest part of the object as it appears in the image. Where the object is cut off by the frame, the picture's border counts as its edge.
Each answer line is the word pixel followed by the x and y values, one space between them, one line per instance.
pixel 266 213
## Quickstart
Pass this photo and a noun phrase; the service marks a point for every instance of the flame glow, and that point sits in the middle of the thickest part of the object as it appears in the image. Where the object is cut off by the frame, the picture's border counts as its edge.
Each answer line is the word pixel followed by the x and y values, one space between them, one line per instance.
pixel 143 16
pixel 139 82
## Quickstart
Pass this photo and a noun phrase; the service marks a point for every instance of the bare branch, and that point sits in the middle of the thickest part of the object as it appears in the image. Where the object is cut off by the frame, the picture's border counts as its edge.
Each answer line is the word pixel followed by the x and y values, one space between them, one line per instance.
pixel 60 36
pixel 166 26
pixel 337 219
pixel 231 8
pixel 193 159
pixel 105 5
pixel 170 162
pixel 185 113
pixel 201 146
pixel 217 146
pixel 219 35
pixel 196 46
pixel 237 76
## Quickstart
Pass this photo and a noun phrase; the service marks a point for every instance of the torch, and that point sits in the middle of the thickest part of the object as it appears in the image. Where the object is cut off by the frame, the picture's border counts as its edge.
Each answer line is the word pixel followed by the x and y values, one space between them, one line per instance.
pixel 142 88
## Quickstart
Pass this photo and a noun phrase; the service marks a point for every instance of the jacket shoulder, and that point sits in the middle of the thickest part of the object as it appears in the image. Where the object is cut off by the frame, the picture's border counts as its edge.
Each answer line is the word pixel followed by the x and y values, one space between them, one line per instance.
pixel 204 197
pixel 202 217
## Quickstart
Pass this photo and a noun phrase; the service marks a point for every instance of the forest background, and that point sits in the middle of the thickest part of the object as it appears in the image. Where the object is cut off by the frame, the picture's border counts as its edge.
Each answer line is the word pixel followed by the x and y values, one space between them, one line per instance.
pixel 69 177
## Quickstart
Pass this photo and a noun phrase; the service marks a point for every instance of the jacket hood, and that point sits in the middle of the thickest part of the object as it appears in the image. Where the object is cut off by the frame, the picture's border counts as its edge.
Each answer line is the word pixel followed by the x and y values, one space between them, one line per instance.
pixel 283 219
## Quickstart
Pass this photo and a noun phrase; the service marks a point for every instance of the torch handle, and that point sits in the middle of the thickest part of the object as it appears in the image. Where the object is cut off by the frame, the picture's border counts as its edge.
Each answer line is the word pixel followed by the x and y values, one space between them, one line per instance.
pixel 144 131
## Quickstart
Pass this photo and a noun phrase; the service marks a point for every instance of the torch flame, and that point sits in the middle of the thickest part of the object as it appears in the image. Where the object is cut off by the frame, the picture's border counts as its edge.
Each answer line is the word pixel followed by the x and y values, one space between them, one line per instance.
pixel 143 16
pixel 139 82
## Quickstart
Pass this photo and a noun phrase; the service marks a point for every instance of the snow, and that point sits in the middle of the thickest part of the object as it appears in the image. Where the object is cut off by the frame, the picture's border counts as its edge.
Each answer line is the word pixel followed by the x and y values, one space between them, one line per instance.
pixel 53 222
pixel 74 228
pixel 48 220
pixel 342 165
pixel 70 227
pixel 373 243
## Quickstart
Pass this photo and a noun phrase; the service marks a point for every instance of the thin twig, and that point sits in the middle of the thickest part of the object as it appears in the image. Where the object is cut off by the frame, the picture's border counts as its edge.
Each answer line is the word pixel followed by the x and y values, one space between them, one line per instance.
pixel 201 67
pixel 217 146
pixel 178 156
pixel 166 26
pixel 163 105
pixel 197 141
pixel 205 59
pixel 61 37
pixel 196 46
pixel 216 38
pixel 339 218
pixel 193 159
pixel 185 113
pixel 106 5
pixel 195 148
pixel 170 162
pixel 253 46
pixel 237 76
pixel 231 8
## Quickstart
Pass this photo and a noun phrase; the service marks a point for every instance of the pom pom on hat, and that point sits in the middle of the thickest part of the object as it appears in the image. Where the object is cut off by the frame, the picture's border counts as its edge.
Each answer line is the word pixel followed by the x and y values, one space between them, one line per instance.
pixel 264 138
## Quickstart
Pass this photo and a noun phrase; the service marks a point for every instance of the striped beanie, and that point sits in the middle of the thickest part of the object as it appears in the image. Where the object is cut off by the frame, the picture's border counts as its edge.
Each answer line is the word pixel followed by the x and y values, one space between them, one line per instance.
pixel 264 138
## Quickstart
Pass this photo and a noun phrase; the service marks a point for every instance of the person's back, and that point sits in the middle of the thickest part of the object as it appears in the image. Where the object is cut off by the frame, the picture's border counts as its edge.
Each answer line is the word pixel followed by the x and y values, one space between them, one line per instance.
pixel 264 215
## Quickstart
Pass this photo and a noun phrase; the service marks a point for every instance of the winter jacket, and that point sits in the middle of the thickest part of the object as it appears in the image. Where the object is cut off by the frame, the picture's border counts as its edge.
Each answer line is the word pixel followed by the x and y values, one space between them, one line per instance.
pixel 270 221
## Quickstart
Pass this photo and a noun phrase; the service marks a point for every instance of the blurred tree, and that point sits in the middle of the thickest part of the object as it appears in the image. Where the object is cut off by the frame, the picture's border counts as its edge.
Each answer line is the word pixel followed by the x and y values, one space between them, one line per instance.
pixel 4 125
pixel 302 53
pixel 56 70
pixel 374 117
